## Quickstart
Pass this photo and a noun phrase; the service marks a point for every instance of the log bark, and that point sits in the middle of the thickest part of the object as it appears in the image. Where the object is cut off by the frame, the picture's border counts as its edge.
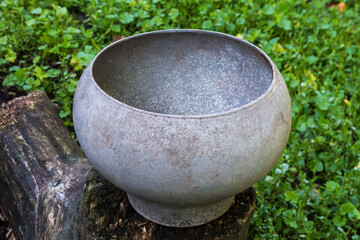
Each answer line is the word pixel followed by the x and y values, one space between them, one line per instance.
pixel 49 192
pixel 42 170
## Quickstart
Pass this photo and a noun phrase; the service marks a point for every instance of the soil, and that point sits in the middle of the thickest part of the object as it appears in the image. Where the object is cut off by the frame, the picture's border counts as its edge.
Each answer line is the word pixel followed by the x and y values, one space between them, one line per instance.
pixel 5 230
pixel 8 93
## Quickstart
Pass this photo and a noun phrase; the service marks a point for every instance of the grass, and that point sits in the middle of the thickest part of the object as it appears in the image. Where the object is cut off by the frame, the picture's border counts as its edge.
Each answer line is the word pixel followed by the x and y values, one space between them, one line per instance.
pixel 314 190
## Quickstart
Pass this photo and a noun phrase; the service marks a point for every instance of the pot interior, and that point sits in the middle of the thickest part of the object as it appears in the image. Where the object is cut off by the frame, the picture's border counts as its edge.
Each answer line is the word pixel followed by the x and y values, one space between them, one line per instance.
pixel 183 72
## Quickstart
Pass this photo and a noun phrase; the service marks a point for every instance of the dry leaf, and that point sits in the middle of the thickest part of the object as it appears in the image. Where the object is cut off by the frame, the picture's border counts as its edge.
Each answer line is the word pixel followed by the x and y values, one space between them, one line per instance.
pixel 340 6
pixel 116 38
pixel 112 226
pixel 122 206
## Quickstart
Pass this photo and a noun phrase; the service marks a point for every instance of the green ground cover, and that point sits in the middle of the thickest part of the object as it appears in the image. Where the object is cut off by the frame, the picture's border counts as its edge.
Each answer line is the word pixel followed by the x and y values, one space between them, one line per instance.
pixel 314 190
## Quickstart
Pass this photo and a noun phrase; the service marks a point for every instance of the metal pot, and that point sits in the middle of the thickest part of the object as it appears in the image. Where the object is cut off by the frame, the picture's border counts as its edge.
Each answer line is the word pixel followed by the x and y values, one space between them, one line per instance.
pixel 182 120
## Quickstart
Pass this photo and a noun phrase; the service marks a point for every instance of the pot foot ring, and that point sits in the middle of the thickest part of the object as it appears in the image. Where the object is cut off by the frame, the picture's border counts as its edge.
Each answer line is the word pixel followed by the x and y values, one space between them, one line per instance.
pixel 102 200
pixel 180 216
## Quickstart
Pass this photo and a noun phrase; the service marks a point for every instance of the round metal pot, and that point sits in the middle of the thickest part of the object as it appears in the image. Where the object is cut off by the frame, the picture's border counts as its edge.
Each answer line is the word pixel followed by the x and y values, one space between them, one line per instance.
pixel 182 120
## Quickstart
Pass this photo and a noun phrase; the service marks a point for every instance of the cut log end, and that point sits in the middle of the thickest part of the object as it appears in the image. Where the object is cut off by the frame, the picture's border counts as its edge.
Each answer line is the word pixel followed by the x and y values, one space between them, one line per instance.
pixel 109 215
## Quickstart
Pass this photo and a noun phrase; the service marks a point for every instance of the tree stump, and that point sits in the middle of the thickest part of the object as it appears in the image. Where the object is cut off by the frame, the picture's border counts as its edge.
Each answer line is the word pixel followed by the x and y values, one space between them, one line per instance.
pixel 49 191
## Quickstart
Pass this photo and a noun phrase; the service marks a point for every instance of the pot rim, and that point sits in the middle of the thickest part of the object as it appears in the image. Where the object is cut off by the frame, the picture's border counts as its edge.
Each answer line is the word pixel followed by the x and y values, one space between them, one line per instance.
pixel 200 116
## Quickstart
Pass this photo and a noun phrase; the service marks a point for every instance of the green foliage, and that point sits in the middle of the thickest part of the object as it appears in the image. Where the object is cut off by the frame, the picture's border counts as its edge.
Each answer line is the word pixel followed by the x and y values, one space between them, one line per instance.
pixel 313 192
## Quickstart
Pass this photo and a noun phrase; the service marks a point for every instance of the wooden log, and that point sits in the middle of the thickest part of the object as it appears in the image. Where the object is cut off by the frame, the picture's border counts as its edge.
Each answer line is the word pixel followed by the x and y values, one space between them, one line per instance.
pixel 42 170
pixel 48 192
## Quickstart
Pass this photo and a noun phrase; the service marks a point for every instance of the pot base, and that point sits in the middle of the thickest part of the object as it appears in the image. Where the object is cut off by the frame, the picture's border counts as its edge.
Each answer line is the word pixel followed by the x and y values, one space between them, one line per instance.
pixel 180 216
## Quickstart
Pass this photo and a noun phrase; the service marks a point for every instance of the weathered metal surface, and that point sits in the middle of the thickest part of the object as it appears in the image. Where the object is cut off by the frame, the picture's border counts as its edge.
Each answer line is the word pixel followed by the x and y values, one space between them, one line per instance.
pixel 182 119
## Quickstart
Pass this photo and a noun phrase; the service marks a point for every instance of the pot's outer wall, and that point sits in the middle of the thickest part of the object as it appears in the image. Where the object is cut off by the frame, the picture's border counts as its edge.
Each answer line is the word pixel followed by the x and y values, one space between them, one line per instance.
pixel 182 160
